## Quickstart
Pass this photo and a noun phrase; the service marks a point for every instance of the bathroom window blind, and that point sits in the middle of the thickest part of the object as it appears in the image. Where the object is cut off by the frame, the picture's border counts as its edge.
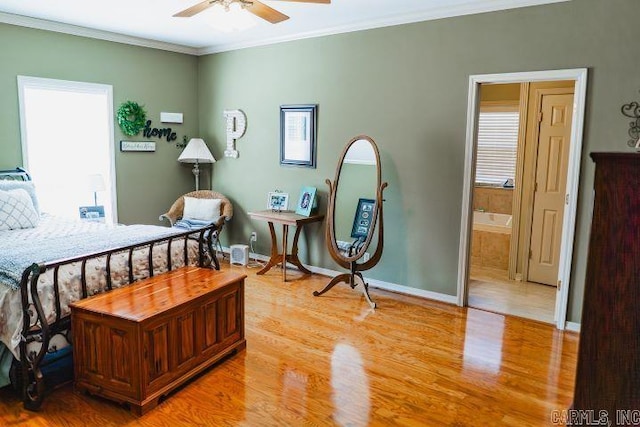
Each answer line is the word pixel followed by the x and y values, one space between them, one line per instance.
pixel 497 146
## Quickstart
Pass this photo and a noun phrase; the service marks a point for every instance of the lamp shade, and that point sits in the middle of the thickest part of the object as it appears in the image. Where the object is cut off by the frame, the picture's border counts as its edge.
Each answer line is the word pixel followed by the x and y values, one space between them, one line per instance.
pixel 96 182
pixel 196 151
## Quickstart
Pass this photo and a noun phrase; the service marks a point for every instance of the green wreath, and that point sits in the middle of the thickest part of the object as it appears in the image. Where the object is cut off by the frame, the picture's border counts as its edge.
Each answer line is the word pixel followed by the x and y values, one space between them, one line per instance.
pixel 131 118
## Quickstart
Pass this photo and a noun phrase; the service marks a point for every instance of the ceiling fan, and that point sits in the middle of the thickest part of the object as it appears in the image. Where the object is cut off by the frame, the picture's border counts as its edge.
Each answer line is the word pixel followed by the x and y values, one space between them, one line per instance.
pixel 254 6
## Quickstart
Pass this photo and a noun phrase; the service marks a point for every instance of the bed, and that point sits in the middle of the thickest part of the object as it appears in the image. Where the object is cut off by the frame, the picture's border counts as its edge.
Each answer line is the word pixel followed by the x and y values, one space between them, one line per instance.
pixel 47 262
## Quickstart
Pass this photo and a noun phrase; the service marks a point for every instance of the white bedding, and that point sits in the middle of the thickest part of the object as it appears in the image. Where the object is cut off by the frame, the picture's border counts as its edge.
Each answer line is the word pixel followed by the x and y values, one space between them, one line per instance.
pixel 69 276
pixel 52 226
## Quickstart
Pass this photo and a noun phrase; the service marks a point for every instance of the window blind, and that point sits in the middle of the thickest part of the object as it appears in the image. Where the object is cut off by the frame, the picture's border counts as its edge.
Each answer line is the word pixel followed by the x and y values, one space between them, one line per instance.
pixel 497 146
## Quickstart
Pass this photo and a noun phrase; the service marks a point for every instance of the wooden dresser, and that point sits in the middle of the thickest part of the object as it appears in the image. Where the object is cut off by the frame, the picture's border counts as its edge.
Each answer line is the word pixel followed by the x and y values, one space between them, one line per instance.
pixel 608 372
pixel 138 343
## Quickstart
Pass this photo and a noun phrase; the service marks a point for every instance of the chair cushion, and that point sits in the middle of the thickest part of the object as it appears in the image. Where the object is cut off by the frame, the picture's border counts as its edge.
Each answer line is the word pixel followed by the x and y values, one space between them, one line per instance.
pixel 202 209
pixel 17 210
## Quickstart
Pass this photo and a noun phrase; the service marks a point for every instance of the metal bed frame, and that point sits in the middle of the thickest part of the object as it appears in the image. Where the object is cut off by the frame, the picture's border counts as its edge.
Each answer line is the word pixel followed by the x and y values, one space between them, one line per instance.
pixel 35 326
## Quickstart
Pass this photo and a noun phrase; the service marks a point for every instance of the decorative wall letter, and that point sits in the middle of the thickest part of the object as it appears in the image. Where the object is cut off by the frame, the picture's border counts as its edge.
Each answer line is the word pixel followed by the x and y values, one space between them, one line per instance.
pixel 236 126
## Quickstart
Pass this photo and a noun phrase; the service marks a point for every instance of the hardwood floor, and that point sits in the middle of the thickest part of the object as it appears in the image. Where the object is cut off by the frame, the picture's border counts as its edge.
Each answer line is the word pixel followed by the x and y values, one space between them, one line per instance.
pixel 331 360
pixel 492 290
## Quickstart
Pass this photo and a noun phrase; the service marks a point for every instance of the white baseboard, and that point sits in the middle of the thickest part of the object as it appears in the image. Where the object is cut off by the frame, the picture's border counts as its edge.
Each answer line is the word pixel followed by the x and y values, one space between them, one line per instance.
pixel 572 326
pixel 374 283
pixel 393 287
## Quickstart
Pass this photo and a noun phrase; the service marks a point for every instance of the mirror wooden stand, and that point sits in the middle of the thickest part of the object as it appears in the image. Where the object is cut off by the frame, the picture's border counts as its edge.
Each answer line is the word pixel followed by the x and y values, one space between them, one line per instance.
pixel 360 169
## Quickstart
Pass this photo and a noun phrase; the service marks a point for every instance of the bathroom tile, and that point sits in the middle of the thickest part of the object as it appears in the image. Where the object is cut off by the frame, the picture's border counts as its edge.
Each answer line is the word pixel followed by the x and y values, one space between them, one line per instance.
pixel 480 199
pixel 495 250
pixel 492 199
pixel 502 202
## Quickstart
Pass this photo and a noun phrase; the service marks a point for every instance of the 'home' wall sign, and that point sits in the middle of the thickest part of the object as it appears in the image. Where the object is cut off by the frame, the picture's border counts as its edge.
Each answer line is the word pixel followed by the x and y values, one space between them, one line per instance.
pixel 150 132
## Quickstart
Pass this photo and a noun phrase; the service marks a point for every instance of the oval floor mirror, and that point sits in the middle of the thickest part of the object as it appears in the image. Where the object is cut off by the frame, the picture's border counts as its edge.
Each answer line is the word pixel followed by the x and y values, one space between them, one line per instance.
pixel 354 224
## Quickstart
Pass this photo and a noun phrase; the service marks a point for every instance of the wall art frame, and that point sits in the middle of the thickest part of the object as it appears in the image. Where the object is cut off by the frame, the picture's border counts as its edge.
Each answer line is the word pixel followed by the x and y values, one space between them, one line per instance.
pixel 363 218
pixel 298 132
pixel 139 146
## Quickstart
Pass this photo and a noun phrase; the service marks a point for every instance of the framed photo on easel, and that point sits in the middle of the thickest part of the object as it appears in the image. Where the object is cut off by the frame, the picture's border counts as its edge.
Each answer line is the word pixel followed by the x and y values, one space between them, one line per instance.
pixel 307 202
pixel 277 201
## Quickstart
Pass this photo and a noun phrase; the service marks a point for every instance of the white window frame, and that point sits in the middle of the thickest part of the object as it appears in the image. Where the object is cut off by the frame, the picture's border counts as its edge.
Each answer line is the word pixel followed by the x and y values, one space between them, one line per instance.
pixel 72 86
pixel 497 107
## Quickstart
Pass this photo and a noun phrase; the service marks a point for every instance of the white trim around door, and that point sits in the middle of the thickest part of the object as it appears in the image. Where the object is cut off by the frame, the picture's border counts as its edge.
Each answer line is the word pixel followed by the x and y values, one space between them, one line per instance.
pixel 579 75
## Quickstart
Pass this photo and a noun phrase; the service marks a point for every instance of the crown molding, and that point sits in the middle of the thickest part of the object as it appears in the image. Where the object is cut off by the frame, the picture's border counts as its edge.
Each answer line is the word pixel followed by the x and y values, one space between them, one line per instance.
pixel 75 30
pixel 470 8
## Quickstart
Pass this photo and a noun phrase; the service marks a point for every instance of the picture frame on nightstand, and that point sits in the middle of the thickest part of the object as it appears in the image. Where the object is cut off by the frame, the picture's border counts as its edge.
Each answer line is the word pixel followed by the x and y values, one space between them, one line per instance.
pixel 92 213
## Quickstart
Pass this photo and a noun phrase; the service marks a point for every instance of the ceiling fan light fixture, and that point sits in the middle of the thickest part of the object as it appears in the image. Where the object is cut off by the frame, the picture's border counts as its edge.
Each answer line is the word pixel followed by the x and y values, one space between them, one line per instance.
pixel 228 16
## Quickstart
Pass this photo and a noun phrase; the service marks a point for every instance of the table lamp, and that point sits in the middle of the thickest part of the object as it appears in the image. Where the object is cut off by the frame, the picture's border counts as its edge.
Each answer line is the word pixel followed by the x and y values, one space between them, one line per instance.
pixel 96 183
pixel 196 152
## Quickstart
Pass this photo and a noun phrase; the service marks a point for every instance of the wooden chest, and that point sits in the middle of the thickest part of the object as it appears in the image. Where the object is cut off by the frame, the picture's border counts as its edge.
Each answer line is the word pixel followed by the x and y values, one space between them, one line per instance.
pixel 137 343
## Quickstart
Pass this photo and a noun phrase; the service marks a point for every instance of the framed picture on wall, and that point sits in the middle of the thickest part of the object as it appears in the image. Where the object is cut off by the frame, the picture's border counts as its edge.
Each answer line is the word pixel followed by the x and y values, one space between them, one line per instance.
pixel 298 135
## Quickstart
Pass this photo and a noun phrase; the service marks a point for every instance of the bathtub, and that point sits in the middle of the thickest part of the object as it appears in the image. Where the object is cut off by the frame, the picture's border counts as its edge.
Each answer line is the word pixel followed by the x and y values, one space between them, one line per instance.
pixel 492 222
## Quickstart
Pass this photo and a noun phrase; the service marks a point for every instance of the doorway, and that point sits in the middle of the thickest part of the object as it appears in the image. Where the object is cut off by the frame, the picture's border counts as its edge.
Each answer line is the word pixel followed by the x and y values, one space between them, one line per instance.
pixel 538 232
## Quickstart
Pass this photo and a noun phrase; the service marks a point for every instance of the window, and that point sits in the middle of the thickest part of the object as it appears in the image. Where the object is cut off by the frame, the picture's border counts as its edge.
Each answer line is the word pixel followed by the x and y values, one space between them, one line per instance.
pixel 67 142
pixel 497 144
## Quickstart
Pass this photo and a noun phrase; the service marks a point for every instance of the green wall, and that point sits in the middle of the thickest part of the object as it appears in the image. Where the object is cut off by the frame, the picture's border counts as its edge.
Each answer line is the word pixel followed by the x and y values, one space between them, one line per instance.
pixel 147 183
pixel 407 87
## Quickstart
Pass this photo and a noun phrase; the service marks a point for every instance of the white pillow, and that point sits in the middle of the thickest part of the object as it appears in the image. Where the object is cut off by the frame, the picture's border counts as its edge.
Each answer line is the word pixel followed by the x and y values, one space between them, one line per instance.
pixel 6 185
pixel 202 209
pixel 17 210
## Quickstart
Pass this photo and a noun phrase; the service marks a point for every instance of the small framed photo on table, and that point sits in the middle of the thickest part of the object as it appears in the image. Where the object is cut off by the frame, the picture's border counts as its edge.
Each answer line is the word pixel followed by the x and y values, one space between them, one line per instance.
pixel 307 201
pixel 92 213
pixel 277 201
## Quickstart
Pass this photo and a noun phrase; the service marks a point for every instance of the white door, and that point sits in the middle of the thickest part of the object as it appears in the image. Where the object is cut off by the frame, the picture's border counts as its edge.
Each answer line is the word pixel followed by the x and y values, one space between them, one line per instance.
pixel 550 188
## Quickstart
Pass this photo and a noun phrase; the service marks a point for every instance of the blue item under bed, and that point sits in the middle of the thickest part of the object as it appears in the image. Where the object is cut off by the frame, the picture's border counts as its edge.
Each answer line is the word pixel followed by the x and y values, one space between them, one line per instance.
pixel 57 368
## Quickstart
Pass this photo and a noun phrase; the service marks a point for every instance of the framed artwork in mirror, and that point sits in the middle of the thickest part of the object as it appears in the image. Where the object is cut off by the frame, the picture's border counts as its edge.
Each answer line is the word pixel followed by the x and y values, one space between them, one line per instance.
pixel 298 135
pixel 363 219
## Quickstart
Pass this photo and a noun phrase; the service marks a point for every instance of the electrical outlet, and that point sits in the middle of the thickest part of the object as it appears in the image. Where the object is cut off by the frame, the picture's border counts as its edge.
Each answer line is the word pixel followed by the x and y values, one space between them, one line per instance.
pixel 254 236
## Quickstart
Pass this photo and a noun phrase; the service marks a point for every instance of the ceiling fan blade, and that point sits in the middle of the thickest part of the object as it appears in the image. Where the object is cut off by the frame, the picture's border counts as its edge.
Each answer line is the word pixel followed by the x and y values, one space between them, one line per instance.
pixel 309 1
pixel 265 12
pixel 193 10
